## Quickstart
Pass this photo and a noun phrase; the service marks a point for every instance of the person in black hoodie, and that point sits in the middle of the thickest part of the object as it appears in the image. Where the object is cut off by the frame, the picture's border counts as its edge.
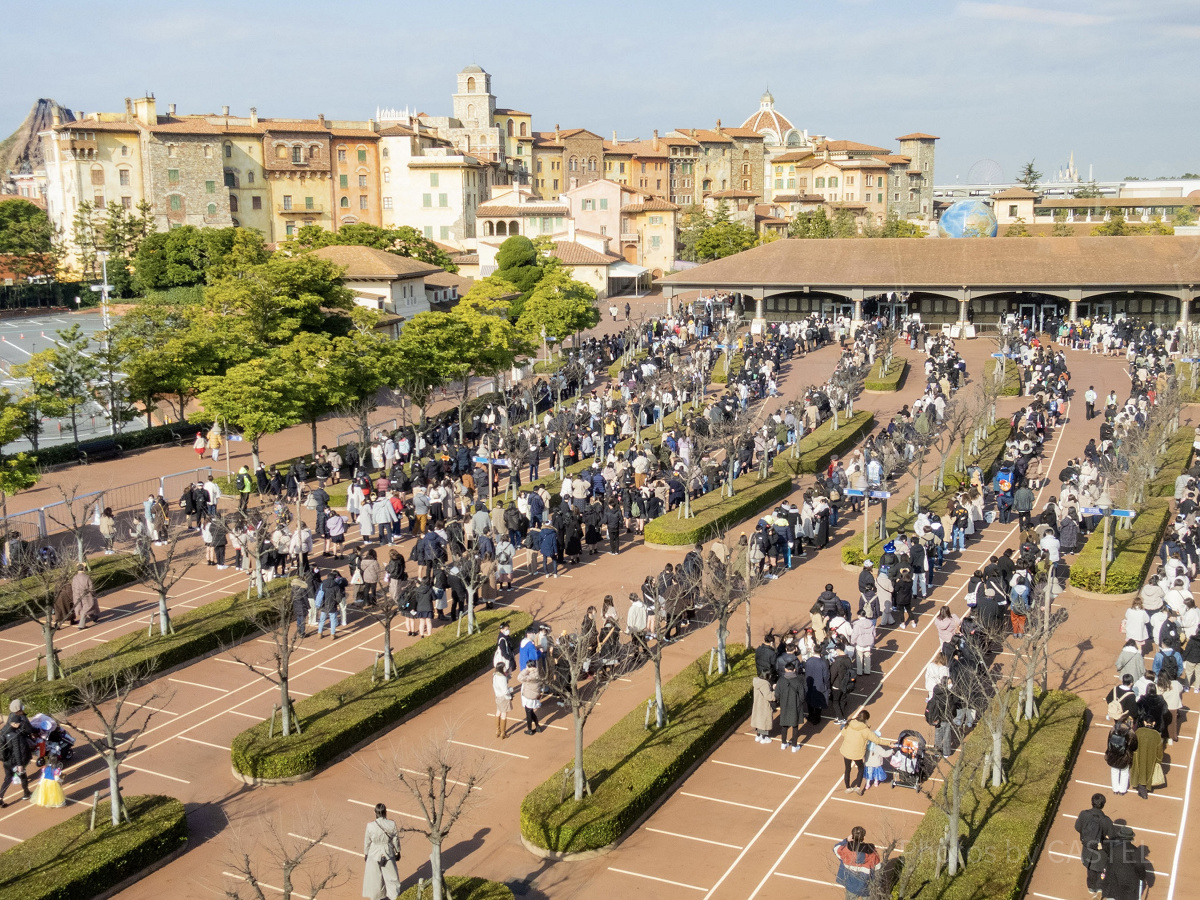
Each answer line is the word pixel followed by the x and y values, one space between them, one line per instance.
pixel 16 749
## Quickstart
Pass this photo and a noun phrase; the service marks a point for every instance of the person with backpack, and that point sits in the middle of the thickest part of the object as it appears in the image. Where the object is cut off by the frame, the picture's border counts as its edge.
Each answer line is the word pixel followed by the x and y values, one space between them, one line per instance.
pixel 942 711
pixel 1018 610
pixel 916 561
pixel 1168 661
pixel 1122 742
pixel 1094 828
pixel 244 485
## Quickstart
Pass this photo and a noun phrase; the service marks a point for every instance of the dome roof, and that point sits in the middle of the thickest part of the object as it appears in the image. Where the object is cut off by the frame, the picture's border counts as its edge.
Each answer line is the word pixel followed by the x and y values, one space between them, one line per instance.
pixel 767 119
pixel 472 70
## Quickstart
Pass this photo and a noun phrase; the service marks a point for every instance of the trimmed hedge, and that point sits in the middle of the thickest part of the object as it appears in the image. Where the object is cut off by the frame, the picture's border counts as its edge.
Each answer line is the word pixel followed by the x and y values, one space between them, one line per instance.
pixel 549 366
pixel 713 513
pixel 630 768
pixel 351 711
pixel 1012 376
pixel 615 369
pixel 1134 551
pixel 68 862
pixel 465 889
pixel 108 573
pixel 727 367
pixel 891 380
pixel 155 436
pixel 819 446
pixel 1174 462
pixel 989 455
pixel 1002 828
pixel 197 632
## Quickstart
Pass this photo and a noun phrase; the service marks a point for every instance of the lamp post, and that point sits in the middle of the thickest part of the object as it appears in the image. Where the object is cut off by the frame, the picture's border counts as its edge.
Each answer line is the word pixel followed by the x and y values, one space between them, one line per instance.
pixel 103 288
pixel 1106 507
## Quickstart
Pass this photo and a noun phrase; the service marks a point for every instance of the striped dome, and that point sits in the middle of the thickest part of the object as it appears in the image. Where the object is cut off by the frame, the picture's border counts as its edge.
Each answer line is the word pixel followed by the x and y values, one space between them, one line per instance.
pixel 768 122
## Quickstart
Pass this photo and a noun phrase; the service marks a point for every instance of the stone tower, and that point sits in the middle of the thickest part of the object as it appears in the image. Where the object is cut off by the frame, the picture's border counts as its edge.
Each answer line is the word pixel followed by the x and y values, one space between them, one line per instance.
pixel 474 104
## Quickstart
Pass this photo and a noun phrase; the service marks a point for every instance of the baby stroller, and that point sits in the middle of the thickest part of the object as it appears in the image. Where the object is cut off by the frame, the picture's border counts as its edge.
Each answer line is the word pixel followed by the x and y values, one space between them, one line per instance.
pixel 908 762
pixel 52 739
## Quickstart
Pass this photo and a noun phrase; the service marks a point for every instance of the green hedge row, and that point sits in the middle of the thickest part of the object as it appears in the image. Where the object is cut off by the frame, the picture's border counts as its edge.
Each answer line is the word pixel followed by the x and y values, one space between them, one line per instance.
pixel 712 513
pixel 899 518
pixel 155 436
pixel 727 367
pixel 197 632
pixel 817 448
pixel 1012 376
pixel 1002 827
pixel 615 369
pixel 891 380
pixel 68 862
pixel 351 711
pixel 1134 551
pixel 630 768
pixel 463 888
pixel 549 366
pixel 108 573
pixel 1173 463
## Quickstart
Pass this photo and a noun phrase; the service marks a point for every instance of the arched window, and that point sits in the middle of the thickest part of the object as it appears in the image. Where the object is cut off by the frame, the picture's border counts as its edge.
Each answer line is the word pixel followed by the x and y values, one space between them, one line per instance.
pixel 281 151
pixel 488 229
pixel 314 151
pixel 706 185
pixel 297 154
pixel 592 164
pixel 385 153
pixel 345 204
pixel 833 182
pixel 573 164
pixel 470 110
pixel 471 85
pixel 510 127
pixel 212 209
pixel 501 228
pixel 745 184
pixel 250 176
pixel 745 154
pixel 524 130
pixel 233 204
pixel 745 168
pixel 514 228
pixel 228 150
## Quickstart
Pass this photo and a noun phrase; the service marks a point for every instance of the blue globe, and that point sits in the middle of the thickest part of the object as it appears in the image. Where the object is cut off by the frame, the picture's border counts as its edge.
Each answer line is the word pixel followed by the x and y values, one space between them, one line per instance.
pixel 968 219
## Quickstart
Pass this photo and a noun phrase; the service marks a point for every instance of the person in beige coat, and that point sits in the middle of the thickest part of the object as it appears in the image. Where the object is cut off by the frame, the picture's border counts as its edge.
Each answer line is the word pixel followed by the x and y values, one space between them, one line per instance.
pixel 762 718
pixel 381 849
pixel 83 597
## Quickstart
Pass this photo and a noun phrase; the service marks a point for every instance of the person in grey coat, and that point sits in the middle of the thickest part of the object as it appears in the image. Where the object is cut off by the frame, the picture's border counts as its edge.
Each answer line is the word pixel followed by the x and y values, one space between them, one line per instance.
pixel 789 692
pixel 1130 661
pixel 816 674
pixel 762 719
pixel 381 849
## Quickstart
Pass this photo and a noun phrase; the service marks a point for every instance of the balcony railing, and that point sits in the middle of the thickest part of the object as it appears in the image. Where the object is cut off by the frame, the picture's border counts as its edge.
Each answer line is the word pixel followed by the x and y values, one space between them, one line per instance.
pixel 314 210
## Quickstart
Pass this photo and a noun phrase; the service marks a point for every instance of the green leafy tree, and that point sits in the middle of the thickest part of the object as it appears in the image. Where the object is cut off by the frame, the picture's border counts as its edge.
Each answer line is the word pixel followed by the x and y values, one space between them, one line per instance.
pixel 692 224
pixel 1184 215
pixel 844 224
pixel 19 471
pixel 28 239
pixel 811 225
pixel 559 307
pixel 1061 227
pixel 519 264
pixel 180 257
pixel 1018 229
pixel 403 241
pixel 110 388
pixel 167 349
pixel 1116 226
pixel 725 239
pixel 1089 191
pixel 85 236
pixel 1029 175
pixel 256 397
pixel 62 376
pixel 896 227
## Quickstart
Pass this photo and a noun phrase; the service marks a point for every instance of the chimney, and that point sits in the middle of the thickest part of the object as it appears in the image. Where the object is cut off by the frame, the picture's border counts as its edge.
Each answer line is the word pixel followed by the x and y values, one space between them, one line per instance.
pixel 570 228
pixel 321 119
pixel 693 131
pixel 718 126
pixel 224 110
pixel 253 116
pixel 614 135
pixel 128 109
pixel 655 142
pixel 556 132
pixel 371 124
pixel 170 109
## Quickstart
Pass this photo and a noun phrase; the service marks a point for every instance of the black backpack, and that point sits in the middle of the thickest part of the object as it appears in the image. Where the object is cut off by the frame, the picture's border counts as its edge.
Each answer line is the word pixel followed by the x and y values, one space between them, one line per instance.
pixel 1117 743
pixel 930 714
pixel 241 481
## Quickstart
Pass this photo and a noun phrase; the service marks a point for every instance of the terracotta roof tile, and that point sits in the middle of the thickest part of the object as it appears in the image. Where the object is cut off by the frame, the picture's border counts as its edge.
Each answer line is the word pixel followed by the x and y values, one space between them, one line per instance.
pixel 734 195
pixel 369 263
pixel 525 209
pixel 1015 193
pixel 792 156
pixel 652 204
pixel 849 147
pixel 573 253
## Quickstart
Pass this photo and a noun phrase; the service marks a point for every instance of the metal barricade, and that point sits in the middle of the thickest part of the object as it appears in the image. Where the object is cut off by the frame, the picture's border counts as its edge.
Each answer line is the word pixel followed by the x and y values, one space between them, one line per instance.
pixel 129 496
pixel 28 524
pixel 171 486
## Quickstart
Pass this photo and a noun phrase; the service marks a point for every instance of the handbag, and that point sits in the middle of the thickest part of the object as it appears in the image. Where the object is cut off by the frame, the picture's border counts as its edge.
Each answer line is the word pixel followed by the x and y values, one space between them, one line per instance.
pixel 1159 779
pixel 310 502
pixel 356 578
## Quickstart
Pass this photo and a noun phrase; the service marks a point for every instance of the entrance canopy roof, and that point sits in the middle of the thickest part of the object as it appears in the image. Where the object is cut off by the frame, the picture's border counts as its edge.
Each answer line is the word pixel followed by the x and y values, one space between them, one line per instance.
pixel 963 266
pixel 626 270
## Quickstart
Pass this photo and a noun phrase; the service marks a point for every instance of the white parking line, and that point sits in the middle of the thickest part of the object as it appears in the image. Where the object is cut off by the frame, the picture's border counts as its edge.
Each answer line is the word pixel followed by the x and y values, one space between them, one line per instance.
pixel 726 802
pixel 193 740
pixel 211 687
pixel 489 749
pixel 692 837
pixel 718 762
pixel 159 774
pixel 653 878
pixel 394 812
pixel 1135 828
pixel 802 878
pixel 1109 787
pixel 913 812
pixel 324 844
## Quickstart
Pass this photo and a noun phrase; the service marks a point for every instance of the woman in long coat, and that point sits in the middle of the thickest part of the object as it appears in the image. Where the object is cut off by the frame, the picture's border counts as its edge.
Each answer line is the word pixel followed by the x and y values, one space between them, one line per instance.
pixel 381 849
pixel 83 597
pixel 1149 752
pixel 816 673
pixel 761 718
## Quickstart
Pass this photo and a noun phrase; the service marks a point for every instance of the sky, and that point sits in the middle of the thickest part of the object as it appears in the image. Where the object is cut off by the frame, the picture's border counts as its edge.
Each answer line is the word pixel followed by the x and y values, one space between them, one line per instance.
pixel 1113 81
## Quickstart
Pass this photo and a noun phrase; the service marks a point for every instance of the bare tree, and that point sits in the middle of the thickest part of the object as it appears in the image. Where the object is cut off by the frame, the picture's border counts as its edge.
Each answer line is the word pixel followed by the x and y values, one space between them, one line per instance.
pixel 357 414
pixel 291 856
pixel 277 622
pixel 38 592
pixel 474 574
pixel 668 617
pixel 445 783
pixel 920 437
pixel 959 772
pixel 1031 650
pixel 722 593
pixel 386 608
pixel 162 570
pixel 75 513
pixel 107 698
pixel 577 677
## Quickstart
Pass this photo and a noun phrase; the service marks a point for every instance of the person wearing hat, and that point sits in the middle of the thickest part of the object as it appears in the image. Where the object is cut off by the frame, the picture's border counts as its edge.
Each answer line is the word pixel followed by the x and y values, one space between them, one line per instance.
pixel 866 580
pixel 17 740
pixel 1125 867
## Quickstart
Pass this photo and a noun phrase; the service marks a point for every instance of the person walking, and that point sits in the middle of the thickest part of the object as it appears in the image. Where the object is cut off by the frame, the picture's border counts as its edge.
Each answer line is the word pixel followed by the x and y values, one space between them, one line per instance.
pixel 1146 758
pixel 381 849
pixel 503 692
pixel 16 749
pixel 1125 867
pixel 1089 399
pixel 333 591
pixel 790 695
pixel 1094 829
pixel 1122 742
pixel 858 863
pixel 83 597
pixel 531 695
pixel 855 737
pixel 244 484
pixel 300 604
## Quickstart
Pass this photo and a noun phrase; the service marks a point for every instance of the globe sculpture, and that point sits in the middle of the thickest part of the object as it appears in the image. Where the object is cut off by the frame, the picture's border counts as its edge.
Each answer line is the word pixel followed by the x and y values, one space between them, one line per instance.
pixel 968 219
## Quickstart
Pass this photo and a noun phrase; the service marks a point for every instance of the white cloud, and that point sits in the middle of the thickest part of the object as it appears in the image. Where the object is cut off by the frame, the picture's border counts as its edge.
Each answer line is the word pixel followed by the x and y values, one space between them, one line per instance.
pixel 1009 13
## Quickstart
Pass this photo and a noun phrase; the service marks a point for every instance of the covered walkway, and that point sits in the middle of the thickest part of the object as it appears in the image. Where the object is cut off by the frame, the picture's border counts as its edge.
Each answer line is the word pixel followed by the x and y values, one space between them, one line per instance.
pixel 1153 277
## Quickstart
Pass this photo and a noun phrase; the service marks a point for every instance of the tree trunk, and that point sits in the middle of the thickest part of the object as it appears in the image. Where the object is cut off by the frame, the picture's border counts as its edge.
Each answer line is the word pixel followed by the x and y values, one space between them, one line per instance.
pixel 164 617
pixel 48 636
pixel 952 820
pixel 313 425
pixel 387 649
pixel 916 501
pixel 579 723
pixel 74 425
pixel 435 869
pixel 471 627
pixel 722 636
pixel 254 452
pixel 660 712
pixel 114 788
pixel 998 755
pixel 1030 703
pixel 285 705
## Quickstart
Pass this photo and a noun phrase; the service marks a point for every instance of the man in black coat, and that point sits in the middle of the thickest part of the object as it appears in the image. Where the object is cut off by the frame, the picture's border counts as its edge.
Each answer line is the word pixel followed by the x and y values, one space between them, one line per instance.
pixel 1094 829
pixel 841 682
pixel 789 694
pixel 16 749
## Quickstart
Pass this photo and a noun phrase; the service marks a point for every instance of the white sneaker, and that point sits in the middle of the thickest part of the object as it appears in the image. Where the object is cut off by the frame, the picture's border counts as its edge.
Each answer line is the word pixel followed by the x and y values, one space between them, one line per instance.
pixel 783 745
pixel 795 748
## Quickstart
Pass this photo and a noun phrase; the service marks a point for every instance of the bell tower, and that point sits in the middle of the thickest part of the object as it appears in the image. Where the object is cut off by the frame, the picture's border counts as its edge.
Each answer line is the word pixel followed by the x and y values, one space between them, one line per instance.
pixel 473 102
